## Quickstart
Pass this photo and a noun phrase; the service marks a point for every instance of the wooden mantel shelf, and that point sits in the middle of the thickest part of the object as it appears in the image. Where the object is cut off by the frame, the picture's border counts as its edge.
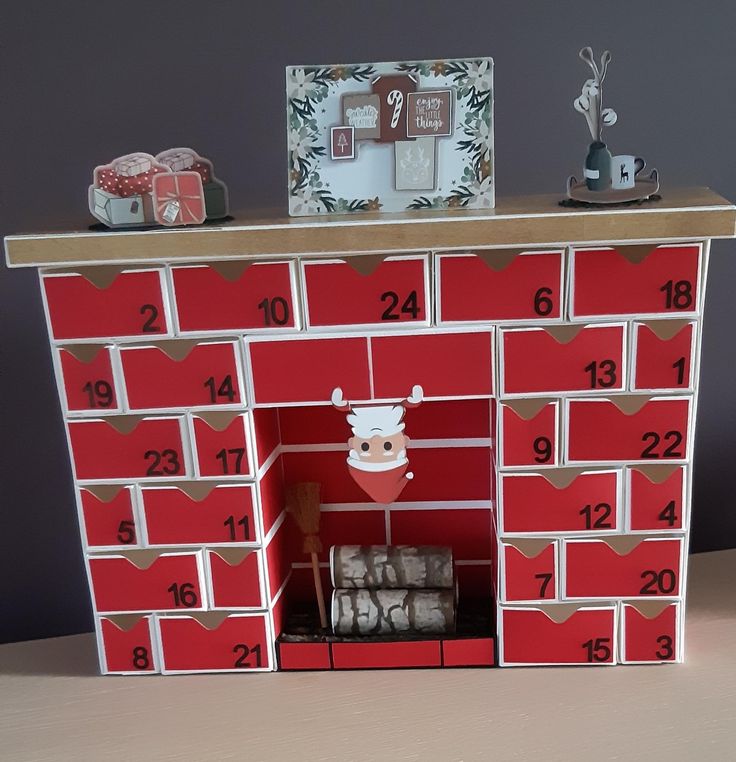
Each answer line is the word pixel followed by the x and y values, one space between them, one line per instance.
pixel 518 222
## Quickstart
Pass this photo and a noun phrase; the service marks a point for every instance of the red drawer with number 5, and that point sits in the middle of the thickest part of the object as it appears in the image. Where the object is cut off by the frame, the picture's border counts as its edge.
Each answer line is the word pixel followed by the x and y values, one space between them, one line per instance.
pixel 493 286
pixel 95 305
pixel 528 433
pixel 663 352
pixel 109 518
pixel 222 444
pixel 214 643
pixel 650 632
pixel 636 280
pixel 347 293
pixel 88 378
pixel 126 645
pixel 235 296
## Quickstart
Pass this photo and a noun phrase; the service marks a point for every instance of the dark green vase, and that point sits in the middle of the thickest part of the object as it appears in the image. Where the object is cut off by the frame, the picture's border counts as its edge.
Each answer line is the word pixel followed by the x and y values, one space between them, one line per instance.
pixel 598 167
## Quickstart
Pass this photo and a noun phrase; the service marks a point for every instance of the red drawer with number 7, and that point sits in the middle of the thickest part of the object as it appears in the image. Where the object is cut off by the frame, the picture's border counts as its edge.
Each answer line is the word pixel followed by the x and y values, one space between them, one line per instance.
pixel 528 570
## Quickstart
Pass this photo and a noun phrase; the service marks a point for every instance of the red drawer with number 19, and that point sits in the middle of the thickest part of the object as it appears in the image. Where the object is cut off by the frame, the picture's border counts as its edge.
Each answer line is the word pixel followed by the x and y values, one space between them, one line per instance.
pixel 87 375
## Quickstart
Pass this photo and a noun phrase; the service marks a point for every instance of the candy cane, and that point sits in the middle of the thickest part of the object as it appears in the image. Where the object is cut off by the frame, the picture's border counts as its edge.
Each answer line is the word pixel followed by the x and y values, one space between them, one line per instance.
pixel 395 99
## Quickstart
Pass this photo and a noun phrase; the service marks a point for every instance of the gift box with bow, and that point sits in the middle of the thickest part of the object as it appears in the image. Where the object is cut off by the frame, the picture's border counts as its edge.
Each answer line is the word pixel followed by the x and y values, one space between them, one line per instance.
pixel 178 199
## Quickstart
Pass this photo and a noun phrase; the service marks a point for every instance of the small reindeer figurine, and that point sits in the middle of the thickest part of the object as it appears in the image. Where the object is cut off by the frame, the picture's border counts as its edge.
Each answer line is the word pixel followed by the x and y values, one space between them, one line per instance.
pixel 377 458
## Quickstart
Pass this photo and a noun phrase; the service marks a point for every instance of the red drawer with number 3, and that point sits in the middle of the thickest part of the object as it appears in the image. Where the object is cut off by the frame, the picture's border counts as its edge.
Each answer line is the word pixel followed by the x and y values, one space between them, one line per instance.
pixel 342 293
pixel 88 379
pixel 650 632
pixel 126 643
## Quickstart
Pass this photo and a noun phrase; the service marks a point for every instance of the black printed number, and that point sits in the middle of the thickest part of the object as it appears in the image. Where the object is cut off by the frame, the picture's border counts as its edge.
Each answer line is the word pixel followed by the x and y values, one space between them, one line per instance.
pixel 542 449
pixel 245 652
pixel 151 311
pixel 126 533
pixel 162 463
pixel 99 393
pixel 232 525
pixel 225 389
pixel 679 366
pixel 666 647
pixel 545 579
pixel 140 658
pixel 275 310
pixel 543 304
pixel 668 514
pixel 184 594
pixel 673 439
pixel 235 455
pixel 602 374
pixel 658 582
pixel 596 516
pixel 598 649
pixel 410 306
pixel 678 294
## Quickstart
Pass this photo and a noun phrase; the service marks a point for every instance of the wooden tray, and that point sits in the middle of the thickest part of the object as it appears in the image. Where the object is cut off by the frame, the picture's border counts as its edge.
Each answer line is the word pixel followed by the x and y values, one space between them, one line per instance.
pixel 644 188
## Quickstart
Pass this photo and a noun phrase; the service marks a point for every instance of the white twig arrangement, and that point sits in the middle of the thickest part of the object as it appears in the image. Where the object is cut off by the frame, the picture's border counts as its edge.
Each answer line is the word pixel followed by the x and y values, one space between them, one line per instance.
pixel 590 101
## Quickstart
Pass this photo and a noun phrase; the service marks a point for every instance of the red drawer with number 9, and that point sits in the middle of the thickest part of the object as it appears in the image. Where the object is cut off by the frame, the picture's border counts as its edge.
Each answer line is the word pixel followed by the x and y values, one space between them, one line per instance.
pixel 214 643
pixel 126 644
pixel 109 519
pixel 98 304
pixel 493 286
pixel 636 280
pixel 127 447
pixel 222 444
pixel 528 433
pixel 146 580
pixel 235 296
pixel 359 292
pixel 88 378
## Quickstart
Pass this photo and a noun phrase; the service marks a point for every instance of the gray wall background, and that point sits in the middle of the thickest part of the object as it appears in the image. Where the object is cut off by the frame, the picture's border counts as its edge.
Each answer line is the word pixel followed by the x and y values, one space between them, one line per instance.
pixel 83 82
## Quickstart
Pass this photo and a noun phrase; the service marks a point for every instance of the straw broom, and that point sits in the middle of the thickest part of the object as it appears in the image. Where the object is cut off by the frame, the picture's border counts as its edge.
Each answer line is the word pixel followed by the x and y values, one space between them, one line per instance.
pixel 302 501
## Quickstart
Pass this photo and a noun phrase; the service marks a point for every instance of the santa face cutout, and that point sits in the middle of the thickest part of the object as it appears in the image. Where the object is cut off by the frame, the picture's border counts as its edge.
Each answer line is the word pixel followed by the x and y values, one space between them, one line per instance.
pixel 377 458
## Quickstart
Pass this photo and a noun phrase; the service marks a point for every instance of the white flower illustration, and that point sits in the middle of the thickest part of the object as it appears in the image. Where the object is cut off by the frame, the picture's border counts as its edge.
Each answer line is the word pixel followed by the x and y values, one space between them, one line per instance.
pixel 300 144
pixel 300 85
pixel 479 76
pixel 304 201
pixel 481 193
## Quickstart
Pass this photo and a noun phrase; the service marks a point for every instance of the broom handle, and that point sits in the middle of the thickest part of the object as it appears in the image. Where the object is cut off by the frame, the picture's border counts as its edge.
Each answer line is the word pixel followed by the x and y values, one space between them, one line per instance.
pixel 320 592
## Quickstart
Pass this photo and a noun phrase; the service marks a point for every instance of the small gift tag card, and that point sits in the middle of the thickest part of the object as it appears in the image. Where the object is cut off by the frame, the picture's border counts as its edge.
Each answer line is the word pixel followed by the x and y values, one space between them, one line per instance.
pixel 415 164
pixel 362 113
pixel 171 211
pixel 342 143
pixel 429 113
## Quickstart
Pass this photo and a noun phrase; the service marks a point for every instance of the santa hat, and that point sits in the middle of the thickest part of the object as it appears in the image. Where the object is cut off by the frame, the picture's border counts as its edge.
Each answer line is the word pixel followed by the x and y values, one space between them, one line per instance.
pixel 380 420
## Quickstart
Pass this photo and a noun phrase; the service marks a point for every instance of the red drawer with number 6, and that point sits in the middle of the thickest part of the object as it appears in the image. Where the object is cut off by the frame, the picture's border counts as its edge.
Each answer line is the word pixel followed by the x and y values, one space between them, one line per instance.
pixel 628 429
pixel 146 580
pixel 493 286
pixel 126 644
pixel 214 643
pixel 650 632
pixel 528 570
pixel 528 433
pixel 347 293
pixel 656 498
pixel 636 280
pixel 179 374
pixel 127 447
pixel 97 304
pixel 222 444
pixel 663 352
pixel 88 379
pixel 109 519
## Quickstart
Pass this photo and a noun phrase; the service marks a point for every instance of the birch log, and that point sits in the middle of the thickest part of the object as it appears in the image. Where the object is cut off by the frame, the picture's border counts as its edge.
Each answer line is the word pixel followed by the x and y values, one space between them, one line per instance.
pixel 388 612
pixel 386 567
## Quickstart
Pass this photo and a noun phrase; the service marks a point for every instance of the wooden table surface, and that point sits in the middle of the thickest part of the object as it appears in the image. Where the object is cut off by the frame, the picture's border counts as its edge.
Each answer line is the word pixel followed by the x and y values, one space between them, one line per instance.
pixel 53 706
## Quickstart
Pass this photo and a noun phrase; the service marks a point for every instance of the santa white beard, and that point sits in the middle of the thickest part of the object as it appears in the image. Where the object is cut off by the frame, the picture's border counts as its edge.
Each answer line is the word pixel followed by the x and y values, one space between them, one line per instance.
pixel 382 482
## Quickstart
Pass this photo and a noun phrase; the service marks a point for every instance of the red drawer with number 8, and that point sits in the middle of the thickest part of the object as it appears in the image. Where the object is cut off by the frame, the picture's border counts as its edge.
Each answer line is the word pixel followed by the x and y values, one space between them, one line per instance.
pixel 636 280
pixel 235 296
pixel 180 374
pixel 95 305
pixel 347 293
pixel 214 643
pixel 109 519
pixel 663 352
pixel 146 580
pixel 127 645
pixel 493 286
pixel 222 444
pixel 528 433
pixel 88 379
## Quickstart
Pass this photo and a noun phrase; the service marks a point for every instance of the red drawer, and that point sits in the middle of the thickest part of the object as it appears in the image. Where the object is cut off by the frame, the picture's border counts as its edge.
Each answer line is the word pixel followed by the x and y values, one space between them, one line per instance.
pixel 389 655
pixel 214 643
pixel 628 429
pixel 109 519
pixel 493 286
pixel 650 632
pixel 560 501
pixel 292 371
pixel 126 645
pixel 127 447
pixel 236 296
pixel 145 580
pixel 301 656
pixel 234 576
pixel 87 377
pixel 340 293
pixel 636 280
pixel 563 359
pixel 443 364
pixel 180 374
pixel 199 514
pixel 663 353
pixel 528 571
pixel 528 433
pixel 92 305
pixel 222 444
pixel 656 498
pixel 622 567
pixel 558 634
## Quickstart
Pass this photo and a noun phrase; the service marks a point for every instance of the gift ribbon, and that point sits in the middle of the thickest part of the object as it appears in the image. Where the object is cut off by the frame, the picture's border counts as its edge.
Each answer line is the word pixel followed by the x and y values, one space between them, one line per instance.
pixel 176 195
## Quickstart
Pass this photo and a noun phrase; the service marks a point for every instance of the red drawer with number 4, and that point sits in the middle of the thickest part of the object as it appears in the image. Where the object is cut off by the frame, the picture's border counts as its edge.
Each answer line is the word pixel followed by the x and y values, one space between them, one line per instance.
pixel 663 354
pixel 650 632
pixel 622 567
pixel 628 429
pixel 558 634
pixel 109 519
pixel 127 645
pixel 214 642
pixel 498 285
pixel 656 498
pixel 234 576
pixel 528 433
pixel 222 444
pixel 235 296
pixel 178 374
pixel 199 513
pixel 354 292
pixel 127 447
pixel 98 304
pixel 87 377
pixel 528 570
pixel 636 280
pixel 562 359
pixel 146 580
